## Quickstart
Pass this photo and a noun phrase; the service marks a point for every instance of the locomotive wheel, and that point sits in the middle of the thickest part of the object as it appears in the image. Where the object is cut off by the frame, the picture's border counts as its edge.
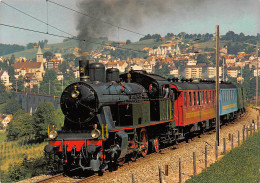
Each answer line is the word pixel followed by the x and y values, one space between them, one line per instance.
pixel 133 156
pixel 144 141
pixel 156 146
pixel 121 161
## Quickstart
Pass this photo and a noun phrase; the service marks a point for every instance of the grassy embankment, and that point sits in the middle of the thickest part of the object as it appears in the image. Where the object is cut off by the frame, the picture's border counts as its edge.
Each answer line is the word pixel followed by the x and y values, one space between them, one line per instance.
pixel 16 151
pixel 241 164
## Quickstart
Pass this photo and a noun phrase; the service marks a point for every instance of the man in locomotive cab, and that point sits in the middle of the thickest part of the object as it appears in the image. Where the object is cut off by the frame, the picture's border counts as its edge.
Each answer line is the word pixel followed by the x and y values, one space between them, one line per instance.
pixel 165 91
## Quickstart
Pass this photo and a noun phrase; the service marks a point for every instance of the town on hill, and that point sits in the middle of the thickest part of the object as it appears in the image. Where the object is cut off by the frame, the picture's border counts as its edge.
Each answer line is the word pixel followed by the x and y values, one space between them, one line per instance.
pixel 48 68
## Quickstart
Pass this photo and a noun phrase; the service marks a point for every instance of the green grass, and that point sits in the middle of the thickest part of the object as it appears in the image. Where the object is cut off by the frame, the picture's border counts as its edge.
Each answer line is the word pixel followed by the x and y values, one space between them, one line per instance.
pixel 239 165
pixel 2 137
pixel 210 44
pixel 63 47
pixel 12 152
pixel 142 44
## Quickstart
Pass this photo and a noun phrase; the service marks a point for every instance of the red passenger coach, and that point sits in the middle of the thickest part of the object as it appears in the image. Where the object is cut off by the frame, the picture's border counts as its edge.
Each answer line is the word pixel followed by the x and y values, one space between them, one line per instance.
pixel 194 104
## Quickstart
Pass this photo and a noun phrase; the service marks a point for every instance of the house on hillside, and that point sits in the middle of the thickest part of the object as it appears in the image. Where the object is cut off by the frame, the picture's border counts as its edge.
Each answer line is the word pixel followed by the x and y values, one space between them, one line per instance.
pixel 29 67
pixel 30 80
pixel 5 120
pixel 4 77
pixel 120 65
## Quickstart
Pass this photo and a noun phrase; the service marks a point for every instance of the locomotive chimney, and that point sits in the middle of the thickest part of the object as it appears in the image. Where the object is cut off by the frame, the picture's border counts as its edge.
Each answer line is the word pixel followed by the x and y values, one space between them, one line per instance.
pixel 84 70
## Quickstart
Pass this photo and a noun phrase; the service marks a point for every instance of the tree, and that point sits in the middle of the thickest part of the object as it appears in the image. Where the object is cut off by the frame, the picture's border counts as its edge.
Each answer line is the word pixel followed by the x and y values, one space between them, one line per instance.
pixel 202 58
pixel 11 106
pixel 48 55
pixel 4 94
pixel 21 125
pixel 50 75
pixel 20 84
pixel 162 70
pixel 69 57
pixel 59 118
pixel 12 60
pixel 128 41
pixel 44 116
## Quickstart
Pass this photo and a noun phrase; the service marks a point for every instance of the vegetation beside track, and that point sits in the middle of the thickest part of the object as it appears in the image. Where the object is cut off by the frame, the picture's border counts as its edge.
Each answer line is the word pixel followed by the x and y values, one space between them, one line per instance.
pixel 22 159
pixel 239 165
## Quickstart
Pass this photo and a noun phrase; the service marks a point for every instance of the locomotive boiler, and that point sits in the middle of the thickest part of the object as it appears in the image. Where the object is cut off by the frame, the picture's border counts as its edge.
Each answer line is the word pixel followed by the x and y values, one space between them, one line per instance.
pixel 111 118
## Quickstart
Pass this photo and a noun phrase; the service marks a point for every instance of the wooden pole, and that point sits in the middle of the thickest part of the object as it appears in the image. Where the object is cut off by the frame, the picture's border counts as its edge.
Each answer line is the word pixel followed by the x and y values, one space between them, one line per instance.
pixel 232 141
pixel 246 132
pixel 160 175
pixel 179 170
pixel 224 146
pixel 216 150
pixel 243 131
pixel 217 85
pixel 206 158
pixel 166 170
pixel 194 164
pixel 133 178
pixel 238 138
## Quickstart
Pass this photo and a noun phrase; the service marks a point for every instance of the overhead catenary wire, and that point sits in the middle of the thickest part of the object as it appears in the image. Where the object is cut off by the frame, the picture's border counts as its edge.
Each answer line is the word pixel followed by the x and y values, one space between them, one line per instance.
pixel 49 25
pixel 87 15
pixel 66 37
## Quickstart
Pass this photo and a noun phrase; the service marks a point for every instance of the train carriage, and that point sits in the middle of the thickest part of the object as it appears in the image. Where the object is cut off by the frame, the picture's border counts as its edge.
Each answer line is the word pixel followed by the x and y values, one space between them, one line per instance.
pixel 110 119
pixel 228 105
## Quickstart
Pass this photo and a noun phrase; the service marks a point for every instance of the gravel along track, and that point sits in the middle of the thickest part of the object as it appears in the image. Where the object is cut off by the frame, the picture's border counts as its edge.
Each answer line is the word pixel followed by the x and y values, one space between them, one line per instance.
pixel 146 169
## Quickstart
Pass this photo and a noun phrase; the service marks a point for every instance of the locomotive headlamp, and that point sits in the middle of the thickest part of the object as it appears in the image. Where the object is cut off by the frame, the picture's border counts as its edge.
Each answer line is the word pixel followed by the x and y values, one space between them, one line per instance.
pixel 95 133
pixel 53 134
pixel 75 92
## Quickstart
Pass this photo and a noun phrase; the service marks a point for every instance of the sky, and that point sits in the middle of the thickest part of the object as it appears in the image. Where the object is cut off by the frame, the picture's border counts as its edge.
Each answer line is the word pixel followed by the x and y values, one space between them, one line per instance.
pixel 141 16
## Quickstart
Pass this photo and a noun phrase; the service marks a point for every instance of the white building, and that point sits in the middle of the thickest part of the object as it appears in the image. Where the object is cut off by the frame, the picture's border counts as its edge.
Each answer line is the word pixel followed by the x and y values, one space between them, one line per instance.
pixel 4 77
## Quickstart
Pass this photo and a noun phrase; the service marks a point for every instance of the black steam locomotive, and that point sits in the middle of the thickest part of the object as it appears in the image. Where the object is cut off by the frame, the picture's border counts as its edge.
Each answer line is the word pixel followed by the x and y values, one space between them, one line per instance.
pixel 109 119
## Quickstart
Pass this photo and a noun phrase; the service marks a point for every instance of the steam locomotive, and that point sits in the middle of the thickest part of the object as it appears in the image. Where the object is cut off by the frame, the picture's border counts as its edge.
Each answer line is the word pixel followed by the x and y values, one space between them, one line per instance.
pixel 111 118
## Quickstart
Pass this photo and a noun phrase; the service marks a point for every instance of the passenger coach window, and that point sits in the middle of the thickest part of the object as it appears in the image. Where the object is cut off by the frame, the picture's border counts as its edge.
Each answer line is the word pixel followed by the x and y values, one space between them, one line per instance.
pixel 194 99
pixel 202 97
pixel 214 96
pixel 185 100
pixel 189 98
pixel 206 97
pixel 198 98
pixel 209 96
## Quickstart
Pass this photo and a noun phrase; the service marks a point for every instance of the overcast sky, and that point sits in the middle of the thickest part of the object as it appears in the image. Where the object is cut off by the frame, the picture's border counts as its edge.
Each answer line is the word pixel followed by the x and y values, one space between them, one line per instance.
pixel 191 16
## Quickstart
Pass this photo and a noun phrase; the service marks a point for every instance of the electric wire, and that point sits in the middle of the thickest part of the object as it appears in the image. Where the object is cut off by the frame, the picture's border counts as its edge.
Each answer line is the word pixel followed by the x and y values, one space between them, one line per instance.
pixel 39 20
pixel 47 23
pixel 96 18
pixel 66 37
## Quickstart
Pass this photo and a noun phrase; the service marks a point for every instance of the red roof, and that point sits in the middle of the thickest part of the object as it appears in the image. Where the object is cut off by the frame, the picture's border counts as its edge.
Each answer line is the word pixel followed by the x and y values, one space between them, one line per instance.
pixel 29 65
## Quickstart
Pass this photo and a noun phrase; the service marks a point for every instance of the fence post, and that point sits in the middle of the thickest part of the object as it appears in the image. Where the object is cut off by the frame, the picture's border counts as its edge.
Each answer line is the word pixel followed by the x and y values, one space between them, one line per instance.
pixel 206 158
pixel 243 131
pixel 254 127
pixel 246 132
pixel 251 129
pixel 133 178
pixel 232 141
pixel 238 138
pixel 216 150
pixel 179 170
pixel 224 146
pixel 194 163
pixel 166 170
pixel 160 176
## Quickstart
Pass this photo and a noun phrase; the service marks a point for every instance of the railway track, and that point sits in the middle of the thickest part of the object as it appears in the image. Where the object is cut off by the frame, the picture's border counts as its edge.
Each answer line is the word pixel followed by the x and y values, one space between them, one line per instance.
pixel 60 177
pixel 50 179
